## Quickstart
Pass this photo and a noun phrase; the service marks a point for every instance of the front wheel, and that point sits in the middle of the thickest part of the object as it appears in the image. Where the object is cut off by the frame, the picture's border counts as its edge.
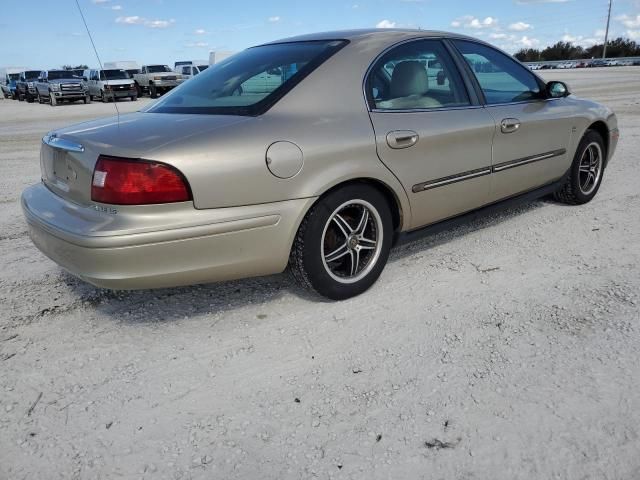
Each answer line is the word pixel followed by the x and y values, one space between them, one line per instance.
pixel 52 100
pixel 153 91
pixel 134 98
pixel 585 176
pixel 343 243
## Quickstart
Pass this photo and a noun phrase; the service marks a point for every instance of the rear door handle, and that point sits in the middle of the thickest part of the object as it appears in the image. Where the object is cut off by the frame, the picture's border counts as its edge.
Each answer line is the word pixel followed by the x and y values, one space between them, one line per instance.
pixel 510 125
pixel 402 139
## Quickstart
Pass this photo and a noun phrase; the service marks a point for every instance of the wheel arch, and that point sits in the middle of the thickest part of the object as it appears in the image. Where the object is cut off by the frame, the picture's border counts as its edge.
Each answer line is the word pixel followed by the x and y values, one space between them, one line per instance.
pixel 601 127
pixel 398 213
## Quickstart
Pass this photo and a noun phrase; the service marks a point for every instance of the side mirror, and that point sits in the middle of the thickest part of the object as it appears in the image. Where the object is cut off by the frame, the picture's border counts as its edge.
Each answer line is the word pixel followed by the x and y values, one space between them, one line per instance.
pixel 557 90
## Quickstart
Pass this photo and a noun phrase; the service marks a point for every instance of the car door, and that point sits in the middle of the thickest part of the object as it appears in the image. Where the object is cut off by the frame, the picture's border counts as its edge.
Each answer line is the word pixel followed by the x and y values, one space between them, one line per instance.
pixel 430 130
pixel 533 132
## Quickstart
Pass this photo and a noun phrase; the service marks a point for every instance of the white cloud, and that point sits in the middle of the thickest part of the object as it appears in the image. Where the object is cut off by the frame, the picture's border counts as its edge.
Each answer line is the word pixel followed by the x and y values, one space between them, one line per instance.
pixel 200 31
pixel 498 36
pixel 100 2
pixel 528 42
pixel 469 21
pixel 132 20
pixel 386 24
pixel 530 2
pixel 519 26
pixel 629 21
pixel 633 34
pixel 116 7
pixel 137 20
pixel 274 19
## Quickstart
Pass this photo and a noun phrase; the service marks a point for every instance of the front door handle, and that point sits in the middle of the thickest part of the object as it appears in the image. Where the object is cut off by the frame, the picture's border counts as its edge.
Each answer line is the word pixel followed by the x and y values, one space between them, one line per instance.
pixel 510 125
pixel 402 139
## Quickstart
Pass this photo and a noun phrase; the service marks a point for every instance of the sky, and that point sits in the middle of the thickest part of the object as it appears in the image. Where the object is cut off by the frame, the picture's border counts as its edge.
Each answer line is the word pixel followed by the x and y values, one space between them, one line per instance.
pixel 163 31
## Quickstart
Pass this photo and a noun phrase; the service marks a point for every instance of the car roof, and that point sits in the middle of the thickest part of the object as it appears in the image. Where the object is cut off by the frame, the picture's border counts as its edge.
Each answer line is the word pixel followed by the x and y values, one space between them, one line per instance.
pixel 381 33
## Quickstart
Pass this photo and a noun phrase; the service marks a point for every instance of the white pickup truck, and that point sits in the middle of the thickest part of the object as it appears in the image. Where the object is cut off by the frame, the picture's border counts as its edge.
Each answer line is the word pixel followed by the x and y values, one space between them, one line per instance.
pixel 156 79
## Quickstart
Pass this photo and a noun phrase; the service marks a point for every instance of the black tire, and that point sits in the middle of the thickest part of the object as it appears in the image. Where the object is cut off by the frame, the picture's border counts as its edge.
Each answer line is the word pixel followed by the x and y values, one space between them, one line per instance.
pixel 39 98
pixel 307 258
pixel 104 97
pixel 153 91
pixel 574 192
pixel 134 98
pixel 29 98
pixel 20 97
pixel 139 89
pixel 86 100
pixel 52 101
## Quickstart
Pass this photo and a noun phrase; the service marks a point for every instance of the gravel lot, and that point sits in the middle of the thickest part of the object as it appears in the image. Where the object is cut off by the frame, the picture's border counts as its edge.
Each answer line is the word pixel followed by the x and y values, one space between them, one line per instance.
pixel 504 349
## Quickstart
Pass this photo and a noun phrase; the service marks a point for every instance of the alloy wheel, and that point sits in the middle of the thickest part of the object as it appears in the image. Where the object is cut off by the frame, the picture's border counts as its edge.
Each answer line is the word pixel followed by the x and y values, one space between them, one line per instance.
pixel 590 169
pixel 352 241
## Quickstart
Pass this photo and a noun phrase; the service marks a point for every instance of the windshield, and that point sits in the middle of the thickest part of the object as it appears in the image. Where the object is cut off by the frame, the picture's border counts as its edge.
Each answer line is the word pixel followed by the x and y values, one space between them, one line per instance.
pixel 158 68
pixel 59 74
pixel 31 75
pixel 133 71
pixel 202 68
pixel 14 76
pixel 114 75
pixel 249 82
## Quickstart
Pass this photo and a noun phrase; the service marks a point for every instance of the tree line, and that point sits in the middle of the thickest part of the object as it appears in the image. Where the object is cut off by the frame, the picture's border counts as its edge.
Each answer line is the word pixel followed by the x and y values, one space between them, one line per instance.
pixel 620 47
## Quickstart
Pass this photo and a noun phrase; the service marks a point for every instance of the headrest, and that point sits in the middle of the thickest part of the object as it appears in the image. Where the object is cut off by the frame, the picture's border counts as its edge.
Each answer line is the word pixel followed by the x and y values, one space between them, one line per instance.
pixel 409 78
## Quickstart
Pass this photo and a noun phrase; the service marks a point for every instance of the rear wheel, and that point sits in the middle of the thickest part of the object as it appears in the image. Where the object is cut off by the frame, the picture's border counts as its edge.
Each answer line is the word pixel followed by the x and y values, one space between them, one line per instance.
pixel 153 91
pixel 587 170
pixel 343 243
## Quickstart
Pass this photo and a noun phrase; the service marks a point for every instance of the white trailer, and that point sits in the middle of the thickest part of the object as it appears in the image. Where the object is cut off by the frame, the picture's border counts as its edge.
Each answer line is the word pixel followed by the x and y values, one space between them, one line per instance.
pixel 217 57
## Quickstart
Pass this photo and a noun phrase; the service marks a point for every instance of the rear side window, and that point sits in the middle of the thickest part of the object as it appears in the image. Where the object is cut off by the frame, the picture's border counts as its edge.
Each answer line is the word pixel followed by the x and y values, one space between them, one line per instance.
pixel 249 82
pixel 416 76
pixel 501 79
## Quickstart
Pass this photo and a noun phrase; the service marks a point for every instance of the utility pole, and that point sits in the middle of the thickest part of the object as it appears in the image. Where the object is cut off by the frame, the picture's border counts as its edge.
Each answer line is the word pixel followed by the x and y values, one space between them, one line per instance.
pixel 606 35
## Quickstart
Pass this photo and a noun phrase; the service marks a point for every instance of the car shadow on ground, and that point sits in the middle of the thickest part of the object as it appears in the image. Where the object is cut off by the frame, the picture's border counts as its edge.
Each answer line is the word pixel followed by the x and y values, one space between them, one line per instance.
pixel 150 306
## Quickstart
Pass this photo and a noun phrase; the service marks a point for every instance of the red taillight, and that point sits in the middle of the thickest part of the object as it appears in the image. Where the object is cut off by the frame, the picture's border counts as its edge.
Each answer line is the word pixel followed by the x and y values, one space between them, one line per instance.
pixel 121 181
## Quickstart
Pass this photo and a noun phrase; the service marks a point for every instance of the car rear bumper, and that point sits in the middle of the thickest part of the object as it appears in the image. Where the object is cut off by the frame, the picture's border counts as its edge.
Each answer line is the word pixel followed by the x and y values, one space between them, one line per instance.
pixel 220 244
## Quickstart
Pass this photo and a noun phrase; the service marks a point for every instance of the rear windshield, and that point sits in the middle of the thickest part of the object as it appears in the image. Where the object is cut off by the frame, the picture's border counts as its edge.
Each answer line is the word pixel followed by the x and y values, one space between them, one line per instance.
pixel 249 82
pixel 114 75
pixel 59 74
pixel 158 68
pixel 30 75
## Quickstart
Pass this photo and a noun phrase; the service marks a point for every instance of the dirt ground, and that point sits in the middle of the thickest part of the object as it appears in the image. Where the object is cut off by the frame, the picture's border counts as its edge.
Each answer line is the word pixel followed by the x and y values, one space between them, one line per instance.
pixel 508 348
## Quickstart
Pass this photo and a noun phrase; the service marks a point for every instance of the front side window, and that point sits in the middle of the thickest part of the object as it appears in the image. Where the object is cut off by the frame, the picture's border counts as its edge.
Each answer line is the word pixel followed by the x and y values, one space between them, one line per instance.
pixel 501 79
pixel 415 76
pixel 31 75
pixel 249 82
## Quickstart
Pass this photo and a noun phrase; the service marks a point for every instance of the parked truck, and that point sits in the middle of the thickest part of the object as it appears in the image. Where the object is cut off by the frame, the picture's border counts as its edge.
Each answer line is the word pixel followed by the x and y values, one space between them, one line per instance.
pixel 57 86
pixel 190 68
pixel 110 85
pixel 26 85
pixel 156 79
pixel 8 79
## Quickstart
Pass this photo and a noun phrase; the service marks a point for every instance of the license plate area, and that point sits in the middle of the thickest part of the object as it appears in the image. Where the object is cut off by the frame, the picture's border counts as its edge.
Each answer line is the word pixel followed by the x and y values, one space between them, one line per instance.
pixel 60 171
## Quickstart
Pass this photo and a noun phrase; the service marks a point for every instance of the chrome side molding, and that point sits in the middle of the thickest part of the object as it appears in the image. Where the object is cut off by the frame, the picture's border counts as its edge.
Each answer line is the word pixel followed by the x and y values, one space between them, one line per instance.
pixel 56 142
pixel 440 182
pixel 524 161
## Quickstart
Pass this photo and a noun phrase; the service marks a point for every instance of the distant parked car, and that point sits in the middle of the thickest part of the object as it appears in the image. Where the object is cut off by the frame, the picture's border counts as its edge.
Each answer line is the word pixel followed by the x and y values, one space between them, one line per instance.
pixel 9 85
pixel 598 63
pixel 156 79
pixel 353 149
pixel 110 85
pixel 57 86
pixel 189 71
pixel 582 64
pixel 26 85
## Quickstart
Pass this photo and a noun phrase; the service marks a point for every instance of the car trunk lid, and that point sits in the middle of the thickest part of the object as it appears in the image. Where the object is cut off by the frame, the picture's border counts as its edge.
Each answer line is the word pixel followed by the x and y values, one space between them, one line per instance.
pixel 68 156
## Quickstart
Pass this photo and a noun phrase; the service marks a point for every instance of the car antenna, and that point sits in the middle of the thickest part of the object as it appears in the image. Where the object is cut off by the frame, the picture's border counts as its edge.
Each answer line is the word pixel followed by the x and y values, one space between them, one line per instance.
pixel 95 50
